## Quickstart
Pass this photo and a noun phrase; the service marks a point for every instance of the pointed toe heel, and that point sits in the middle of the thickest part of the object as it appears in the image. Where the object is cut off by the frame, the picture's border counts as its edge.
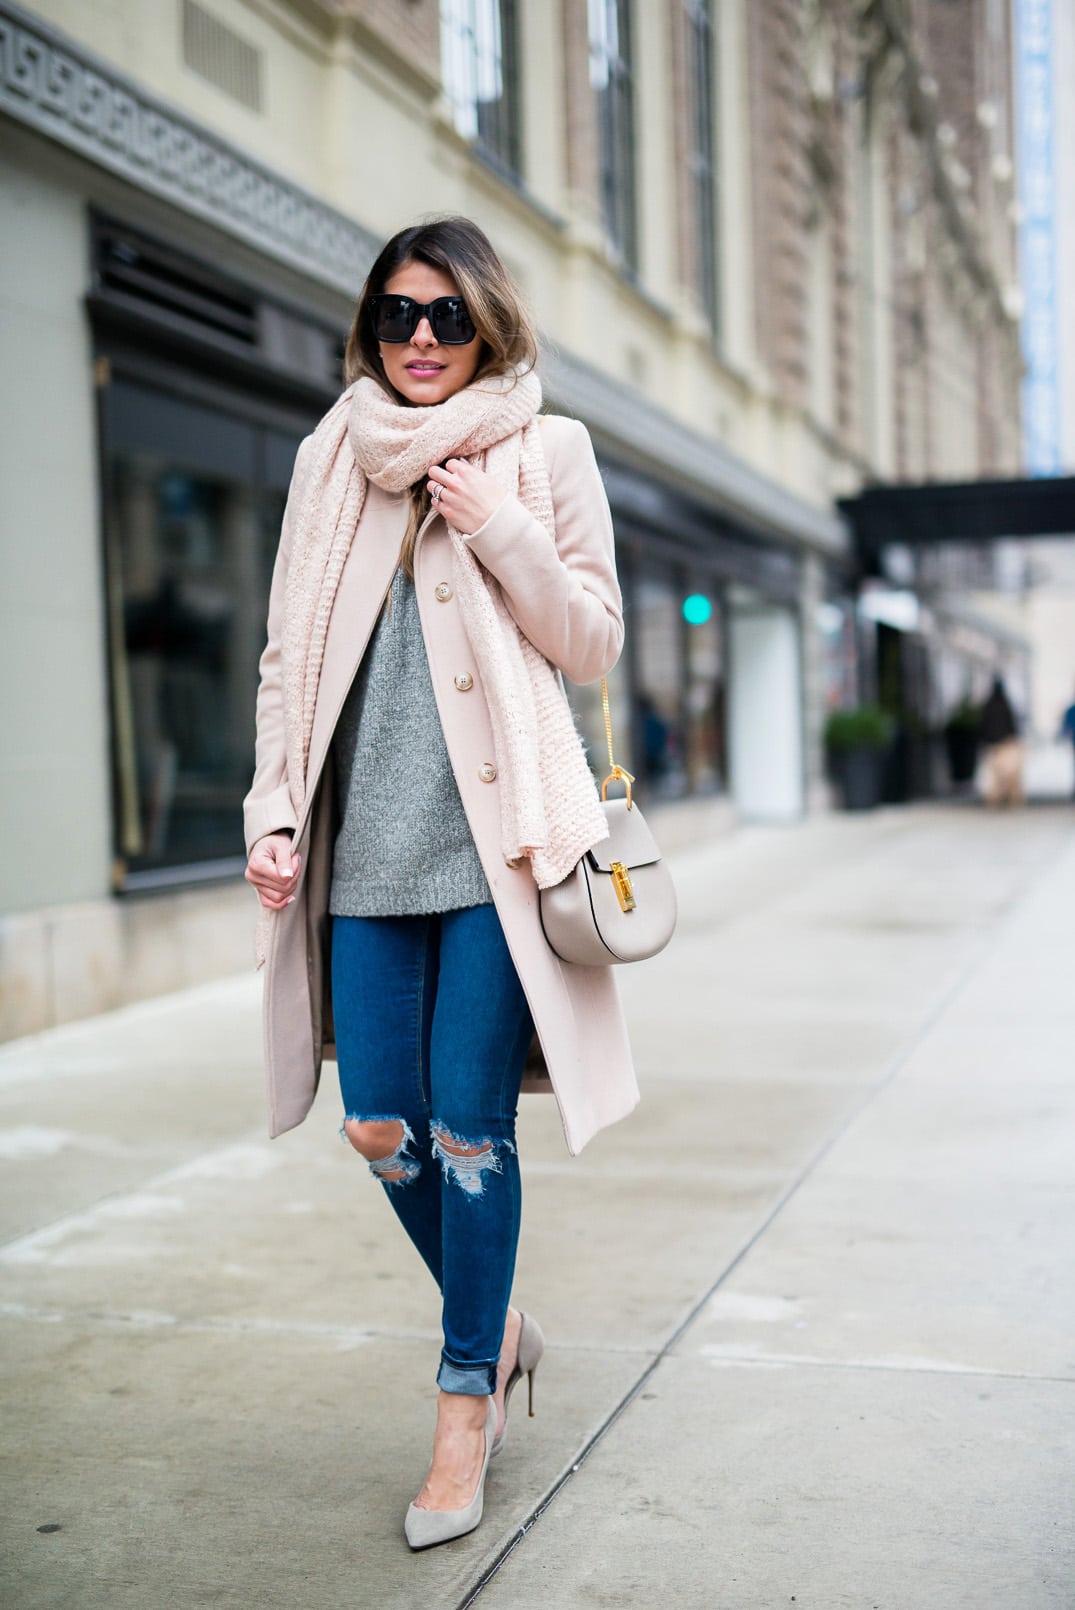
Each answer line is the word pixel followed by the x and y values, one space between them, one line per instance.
pixel 425 1528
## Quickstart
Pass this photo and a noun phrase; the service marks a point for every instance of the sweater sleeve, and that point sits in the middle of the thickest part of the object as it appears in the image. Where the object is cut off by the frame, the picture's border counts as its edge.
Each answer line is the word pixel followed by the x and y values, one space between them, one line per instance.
pixel 564 595
pixel 268 807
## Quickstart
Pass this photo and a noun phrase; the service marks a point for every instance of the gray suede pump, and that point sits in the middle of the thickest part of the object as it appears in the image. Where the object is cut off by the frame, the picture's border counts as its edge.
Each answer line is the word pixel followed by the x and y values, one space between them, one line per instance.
pixel 531 1347
pixel 426 1527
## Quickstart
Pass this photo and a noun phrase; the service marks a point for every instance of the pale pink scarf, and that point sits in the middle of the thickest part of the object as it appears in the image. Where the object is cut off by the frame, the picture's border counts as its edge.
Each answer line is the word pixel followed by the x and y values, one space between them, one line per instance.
pixel 548 802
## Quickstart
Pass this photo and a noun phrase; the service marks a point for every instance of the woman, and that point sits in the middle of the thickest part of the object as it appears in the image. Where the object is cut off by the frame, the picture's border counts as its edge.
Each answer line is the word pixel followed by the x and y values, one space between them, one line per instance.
pixel 443 557
pixel 998 729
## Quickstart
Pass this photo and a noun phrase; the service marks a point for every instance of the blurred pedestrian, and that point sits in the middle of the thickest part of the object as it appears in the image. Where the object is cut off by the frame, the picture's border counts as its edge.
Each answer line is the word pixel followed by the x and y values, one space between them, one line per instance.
pixel 1067 724
pixel 1003 749
pixel 444 555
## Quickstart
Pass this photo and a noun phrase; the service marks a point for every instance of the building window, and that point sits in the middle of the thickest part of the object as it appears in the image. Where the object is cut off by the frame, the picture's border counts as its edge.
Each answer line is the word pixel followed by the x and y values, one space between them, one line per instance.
pixel 479 52
pixel 194 500
pixel 701 153
pixel 611 77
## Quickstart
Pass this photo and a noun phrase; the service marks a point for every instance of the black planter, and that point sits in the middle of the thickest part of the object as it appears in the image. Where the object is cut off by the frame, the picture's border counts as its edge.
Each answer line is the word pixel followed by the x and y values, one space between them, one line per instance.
pixel 961 746
pixel 859 774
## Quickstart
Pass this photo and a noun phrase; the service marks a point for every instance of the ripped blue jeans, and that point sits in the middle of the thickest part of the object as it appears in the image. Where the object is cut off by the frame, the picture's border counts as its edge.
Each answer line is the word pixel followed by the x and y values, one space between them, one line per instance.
pixel 432 1030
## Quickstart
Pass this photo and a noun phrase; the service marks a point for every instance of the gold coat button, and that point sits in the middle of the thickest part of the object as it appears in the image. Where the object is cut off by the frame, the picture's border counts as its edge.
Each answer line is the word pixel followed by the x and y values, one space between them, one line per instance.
pixel 464 681
pixel 487 772
pixel 442 592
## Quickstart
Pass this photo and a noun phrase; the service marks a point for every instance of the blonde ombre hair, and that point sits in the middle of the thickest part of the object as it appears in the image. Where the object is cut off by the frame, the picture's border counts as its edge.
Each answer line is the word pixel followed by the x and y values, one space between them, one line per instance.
pixel 463 251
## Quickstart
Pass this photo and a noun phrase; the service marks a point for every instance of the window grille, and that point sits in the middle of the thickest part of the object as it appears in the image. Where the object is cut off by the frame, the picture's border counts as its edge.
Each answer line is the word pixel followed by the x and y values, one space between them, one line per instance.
pixel 611 76
pixel 222 56
pixel 702 154
pixel 480 63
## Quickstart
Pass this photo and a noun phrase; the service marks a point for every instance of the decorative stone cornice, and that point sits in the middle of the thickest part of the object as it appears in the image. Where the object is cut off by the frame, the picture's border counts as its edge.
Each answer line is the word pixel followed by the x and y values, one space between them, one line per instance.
pixel 57 87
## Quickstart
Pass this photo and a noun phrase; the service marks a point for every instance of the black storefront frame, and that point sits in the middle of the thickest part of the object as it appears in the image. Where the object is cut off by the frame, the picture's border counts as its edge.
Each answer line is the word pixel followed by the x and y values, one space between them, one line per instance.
pixel 115 363
pixel 155 340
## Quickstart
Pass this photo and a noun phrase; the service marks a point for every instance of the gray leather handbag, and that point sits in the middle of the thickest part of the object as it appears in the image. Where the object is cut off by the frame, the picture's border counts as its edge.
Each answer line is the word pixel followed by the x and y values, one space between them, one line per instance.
pixel 619 904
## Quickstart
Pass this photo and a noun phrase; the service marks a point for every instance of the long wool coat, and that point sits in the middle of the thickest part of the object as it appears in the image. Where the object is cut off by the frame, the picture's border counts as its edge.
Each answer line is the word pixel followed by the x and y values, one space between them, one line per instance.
pixel 566 599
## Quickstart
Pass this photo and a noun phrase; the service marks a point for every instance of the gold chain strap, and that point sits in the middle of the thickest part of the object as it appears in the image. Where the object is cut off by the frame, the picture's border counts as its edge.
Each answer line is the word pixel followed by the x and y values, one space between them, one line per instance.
pixel 616 773
pixel 608 722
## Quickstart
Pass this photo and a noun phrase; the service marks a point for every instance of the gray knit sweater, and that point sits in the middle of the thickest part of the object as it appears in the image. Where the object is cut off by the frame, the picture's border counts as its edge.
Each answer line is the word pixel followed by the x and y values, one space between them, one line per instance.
pixel 404 845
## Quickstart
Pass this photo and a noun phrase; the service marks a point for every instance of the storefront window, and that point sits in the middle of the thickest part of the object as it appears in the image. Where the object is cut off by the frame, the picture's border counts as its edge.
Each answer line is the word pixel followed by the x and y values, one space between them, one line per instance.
pixel 590 720
pixel 705 693
pixel 657 622
pixel 194 501
pixel 839 653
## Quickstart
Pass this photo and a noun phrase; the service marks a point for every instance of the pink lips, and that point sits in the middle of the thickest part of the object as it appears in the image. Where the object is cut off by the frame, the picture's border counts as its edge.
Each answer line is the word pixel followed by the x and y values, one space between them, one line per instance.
pixel 425 368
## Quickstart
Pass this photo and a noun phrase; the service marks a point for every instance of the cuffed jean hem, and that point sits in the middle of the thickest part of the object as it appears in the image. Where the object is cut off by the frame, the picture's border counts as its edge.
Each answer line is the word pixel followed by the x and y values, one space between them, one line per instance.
pixel 474 1380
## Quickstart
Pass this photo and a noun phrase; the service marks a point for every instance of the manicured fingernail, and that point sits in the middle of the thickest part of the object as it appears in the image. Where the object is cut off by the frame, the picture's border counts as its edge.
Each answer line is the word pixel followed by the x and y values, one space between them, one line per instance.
pixel 287 874
pixel 290 901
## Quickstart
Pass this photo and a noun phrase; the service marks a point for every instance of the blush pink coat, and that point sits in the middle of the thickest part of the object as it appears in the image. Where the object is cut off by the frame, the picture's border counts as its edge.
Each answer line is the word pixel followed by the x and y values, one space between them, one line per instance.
pixel 566 598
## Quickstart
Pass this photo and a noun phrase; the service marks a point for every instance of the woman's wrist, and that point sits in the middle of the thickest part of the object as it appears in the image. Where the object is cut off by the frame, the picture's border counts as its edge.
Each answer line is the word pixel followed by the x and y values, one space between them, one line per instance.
pixel 491 519
pixel 274 833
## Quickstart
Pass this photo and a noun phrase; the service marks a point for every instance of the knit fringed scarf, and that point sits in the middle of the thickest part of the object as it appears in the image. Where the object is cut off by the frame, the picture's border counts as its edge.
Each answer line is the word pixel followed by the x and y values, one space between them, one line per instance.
pixel 549 809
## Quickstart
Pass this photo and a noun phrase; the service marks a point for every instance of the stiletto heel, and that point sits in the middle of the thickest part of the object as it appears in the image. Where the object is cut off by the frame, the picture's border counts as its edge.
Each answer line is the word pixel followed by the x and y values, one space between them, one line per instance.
pixel 531 1348
pixel 426 1527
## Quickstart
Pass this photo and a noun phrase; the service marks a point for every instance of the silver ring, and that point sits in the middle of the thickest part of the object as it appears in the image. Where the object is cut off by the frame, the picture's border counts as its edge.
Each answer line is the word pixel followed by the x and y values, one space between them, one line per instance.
pixel 436 492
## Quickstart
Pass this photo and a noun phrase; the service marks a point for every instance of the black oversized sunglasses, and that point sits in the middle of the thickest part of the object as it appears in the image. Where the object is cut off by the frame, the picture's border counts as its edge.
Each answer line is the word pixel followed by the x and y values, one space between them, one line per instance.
pixel 395 318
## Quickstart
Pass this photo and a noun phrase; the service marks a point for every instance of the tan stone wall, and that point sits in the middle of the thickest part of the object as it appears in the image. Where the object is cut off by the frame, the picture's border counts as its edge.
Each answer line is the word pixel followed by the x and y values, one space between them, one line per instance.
pixel 779 135
pixel 842 149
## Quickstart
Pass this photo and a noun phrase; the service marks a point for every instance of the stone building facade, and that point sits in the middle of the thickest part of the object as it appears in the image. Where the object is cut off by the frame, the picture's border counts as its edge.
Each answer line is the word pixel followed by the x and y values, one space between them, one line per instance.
pixel 769 245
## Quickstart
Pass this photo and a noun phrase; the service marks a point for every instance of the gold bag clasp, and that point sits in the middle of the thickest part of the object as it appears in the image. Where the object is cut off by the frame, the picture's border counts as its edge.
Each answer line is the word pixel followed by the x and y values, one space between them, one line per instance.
pixel 618 775
pixel 621 882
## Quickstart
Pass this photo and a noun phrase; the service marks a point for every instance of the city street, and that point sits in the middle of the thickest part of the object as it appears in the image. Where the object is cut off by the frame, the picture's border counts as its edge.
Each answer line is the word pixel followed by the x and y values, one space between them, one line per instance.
pixel 810 1314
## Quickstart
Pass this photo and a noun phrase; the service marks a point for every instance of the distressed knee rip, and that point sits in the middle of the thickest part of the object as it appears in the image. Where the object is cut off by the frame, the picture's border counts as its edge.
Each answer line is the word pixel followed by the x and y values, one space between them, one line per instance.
pixel 370 1137
pixel 466 1162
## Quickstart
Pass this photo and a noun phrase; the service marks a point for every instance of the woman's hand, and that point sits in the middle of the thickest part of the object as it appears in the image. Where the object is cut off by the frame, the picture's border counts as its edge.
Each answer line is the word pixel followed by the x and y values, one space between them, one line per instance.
pixel 467 496
pixel 272 869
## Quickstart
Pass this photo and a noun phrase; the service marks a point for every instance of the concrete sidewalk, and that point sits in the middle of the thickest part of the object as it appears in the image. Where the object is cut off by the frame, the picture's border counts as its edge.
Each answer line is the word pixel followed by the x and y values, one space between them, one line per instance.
pixel 810 1310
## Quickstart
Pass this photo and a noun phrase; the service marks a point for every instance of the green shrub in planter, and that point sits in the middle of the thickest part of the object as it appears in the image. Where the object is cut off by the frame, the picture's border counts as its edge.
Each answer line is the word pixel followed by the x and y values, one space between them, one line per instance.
pixel 868 727
pixel 966 717
pixel 858 742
